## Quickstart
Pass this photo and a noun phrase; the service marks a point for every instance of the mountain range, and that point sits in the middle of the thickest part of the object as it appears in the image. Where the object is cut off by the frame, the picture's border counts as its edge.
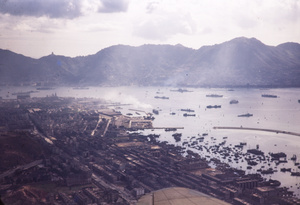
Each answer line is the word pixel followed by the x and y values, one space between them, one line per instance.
pixel 238 62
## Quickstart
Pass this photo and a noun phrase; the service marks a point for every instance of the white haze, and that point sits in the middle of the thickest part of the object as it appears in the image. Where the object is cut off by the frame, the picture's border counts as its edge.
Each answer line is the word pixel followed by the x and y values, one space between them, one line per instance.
pixel 120 97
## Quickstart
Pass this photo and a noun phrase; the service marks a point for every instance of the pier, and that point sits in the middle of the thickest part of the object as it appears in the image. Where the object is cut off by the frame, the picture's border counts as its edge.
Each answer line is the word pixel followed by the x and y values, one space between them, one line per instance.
pixel 178 128
pixel 259 129
pixel 138 111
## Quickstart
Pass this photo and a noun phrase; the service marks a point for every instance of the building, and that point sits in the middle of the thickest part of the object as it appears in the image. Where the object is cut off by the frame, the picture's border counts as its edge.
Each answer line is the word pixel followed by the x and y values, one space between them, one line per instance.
pixel 179 195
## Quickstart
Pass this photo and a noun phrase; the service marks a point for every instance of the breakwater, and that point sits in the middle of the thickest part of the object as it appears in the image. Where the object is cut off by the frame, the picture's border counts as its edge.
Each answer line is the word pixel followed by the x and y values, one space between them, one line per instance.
pixel 260 129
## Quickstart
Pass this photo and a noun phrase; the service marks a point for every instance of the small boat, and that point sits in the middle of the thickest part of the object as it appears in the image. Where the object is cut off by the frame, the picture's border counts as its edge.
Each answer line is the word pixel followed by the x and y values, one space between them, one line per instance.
pixel 234 102
pixel 294 157
pixel 155 111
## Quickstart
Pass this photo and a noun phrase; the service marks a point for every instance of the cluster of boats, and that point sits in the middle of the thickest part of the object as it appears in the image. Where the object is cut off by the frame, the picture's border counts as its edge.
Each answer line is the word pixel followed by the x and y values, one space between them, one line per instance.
pixel 177 136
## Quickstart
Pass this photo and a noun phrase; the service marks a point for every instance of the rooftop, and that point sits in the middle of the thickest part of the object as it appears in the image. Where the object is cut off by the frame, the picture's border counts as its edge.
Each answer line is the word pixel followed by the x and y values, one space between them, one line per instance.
pixel 179 195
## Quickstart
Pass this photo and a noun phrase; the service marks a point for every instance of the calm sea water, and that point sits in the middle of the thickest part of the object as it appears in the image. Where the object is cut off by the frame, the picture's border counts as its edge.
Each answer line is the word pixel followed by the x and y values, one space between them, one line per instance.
pixel 281 113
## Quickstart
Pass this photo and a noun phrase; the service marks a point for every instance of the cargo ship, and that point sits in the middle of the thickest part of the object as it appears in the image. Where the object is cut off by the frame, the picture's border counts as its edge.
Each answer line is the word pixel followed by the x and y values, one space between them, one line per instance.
pixel 187 110
pixel 163 97
pixel 213 106
pixel 246 115
pixel 214 96
pixel 268 96
pixel 188 115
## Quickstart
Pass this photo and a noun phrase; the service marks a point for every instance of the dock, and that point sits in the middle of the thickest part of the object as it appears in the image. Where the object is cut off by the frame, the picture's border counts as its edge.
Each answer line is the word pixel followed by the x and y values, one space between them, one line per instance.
pixel 178 128
pixel 138 111
pixel 260 129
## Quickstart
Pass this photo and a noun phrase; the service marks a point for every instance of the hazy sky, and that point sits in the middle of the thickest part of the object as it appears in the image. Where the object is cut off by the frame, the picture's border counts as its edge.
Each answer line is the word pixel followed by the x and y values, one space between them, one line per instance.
pixel 36 28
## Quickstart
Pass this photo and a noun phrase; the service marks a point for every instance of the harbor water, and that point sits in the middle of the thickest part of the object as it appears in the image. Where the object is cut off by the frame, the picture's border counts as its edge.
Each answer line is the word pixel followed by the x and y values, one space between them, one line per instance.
pixel 275 113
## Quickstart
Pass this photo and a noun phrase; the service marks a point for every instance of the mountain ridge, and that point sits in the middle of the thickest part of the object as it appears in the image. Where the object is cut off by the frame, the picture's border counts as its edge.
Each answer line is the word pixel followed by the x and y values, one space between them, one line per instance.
pixel 238 62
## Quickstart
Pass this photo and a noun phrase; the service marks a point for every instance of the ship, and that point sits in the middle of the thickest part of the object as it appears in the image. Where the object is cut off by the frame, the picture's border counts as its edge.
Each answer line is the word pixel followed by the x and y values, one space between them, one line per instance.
pixel 286 169
pixel 23 96
pixel 187 110
pixel 155 111
pixel 268 96
pixel 188 115
pixel 295 174
pixel 81 88
pixel 170 129
pixel 44 88
pixel 213 106
pixel 214 96
pixel 180 90
pixel 255 151
pixel 267 171
pixel 246 115
pixel 294 157
pixel 163 97
pixel 234 102
pixel 24 93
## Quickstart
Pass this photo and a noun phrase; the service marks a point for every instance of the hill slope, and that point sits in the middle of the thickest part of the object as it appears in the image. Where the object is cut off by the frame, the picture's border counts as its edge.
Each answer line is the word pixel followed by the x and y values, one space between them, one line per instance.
pixel 239 62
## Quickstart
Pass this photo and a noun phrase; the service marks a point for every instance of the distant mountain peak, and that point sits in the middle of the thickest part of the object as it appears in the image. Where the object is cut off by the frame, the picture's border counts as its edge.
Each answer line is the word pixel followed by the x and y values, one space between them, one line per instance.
pixel 245 40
